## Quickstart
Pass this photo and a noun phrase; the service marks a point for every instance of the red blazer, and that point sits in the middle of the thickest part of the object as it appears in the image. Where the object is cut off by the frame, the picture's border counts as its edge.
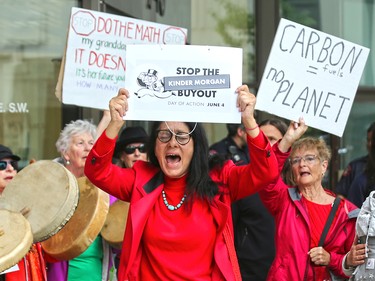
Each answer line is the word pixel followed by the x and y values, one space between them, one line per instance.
pixel 142 185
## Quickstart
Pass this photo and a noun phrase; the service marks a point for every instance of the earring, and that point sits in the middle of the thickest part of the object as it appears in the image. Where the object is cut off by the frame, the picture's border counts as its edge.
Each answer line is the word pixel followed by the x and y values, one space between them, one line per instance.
pixel 67 162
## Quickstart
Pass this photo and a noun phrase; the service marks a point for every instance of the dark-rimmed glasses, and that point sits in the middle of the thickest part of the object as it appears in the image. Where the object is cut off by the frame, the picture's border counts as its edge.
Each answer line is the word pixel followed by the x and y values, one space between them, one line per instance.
pixel 166 135
pixel 308 159
pixel 130 149
pixel 4 164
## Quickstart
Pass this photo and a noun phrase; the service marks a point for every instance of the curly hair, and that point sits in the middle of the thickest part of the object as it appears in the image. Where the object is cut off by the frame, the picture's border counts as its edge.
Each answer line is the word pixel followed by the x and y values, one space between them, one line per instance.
pixel 324 152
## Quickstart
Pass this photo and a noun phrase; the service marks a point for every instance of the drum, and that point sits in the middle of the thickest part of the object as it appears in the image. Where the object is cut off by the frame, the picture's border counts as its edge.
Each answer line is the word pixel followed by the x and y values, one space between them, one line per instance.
pixel 16 238
pixel 83 227
pixel 46 193
pixel 115 224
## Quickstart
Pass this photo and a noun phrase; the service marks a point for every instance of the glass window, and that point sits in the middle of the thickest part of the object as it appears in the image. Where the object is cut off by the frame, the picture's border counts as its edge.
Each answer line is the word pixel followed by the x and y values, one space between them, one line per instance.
pixel 33 37
pixel 354 139
pixel 226 23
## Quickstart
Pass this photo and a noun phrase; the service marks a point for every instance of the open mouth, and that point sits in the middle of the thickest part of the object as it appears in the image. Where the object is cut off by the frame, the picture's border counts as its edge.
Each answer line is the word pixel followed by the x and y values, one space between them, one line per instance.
pixel 302 174
pixel 173 158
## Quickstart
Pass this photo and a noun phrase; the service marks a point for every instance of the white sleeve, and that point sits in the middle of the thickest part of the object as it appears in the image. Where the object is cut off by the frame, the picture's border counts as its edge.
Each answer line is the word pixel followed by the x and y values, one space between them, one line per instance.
pixel 347 271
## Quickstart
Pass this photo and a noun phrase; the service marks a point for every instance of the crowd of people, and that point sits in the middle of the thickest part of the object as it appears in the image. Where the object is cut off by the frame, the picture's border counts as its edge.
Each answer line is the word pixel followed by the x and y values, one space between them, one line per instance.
pixel 199 212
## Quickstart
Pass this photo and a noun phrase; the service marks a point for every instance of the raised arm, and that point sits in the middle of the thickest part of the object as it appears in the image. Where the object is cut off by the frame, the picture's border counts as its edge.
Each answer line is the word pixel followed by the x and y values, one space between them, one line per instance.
pixel 262 169
pixel 103 123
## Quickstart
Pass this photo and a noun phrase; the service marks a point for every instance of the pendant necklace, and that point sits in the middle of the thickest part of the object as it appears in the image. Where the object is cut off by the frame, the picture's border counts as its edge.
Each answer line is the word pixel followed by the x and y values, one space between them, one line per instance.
pixel 169 206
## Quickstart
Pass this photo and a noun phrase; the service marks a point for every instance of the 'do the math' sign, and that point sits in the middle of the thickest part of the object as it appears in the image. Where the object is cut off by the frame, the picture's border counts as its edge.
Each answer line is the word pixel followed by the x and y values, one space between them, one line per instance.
pixel 311 74
pixel 93 67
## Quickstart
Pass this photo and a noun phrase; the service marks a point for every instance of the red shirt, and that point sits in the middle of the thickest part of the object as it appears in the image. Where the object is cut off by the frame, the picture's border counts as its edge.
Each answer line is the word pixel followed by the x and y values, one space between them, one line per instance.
pixel 185 237
pixel 318 215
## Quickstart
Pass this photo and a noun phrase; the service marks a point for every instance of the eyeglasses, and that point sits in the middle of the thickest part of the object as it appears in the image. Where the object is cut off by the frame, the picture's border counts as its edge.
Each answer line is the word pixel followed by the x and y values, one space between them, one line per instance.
pixel 308 159
pixel 130 149
pixel 166 135
pixel 4 164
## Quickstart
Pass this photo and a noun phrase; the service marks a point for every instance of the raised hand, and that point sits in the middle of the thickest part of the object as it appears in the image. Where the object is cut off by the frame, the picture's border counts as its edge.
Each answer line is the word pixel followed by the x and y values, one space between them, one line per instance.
pixel 118 106
pixel 246 105
pixel 294 132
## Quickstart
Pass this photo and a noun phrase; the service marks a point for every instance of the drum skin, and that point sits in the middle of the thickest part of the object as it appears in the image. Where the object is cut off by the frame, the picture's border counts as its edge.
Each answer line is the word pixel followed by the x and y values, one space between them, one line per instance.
pixel 115 224
pixel 46 193
pixel 83 227
pixel 16 238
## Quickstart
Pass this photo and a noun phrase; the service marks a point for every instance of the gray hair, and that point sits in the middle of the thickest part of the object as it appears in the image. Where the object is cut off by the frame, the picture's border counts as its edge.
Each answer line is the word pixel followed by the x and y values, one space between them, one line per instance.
pixel 74 128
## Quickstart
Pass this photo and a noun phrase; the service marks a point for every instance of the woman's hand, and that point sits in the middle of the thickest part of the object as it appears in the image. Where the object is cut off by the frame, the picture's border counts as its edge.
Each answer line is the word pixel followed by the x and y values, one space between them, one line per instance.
pixel 118 106
pixel 294 132
pixel 356 255
pixel 246 105
pixel 319 256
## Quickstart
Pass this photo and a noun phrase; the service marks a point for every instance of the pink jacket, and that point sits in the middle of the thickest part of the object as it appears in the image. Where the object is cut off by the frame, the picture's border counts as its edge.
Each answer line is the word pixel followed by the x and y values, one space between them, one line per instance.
pixel 137 185
pixel 292 237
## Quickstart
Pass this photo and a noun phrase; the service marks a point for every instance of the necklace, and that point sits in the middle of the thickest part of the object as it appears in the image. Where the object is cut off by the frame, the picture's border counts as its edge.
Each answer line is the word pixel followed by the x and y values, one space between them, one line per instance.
pixel 169 206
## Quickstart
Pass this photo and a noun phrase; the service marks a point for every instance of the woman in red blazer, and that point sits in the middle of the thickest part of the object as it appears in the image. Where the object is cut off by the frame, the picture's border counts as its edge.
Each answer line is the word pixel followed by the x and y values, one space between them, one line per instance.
pixel 179 223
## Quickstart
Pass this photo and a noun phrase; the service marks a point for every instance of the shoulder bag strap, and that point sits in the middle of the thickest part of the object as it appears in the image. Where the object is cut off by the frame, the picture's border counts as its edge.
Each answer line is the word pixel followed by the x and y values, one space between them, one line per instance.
pixel 331 216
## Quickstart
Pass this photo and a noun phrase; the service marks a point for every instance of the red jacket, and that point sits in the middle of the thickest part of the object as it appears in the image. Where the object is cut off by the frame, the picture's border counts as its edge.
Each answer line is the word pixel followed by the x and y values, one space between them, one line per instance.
pixel 137 186
pixel 292 236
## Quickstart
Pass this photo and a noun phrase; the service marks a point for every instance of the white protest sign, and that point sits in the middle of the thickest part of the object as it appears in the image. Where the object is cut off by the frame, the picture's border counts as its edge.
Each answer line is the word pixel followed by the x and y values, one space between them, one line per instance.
pixel 311 74
pixel 183 83
pixel 94 67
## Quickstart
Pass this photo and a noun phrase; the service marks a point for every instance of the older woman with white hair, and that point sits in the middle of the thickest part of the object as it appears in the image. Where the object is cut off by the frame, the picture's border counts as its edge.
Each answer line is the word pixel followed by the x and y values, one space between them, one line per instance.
pixel 74 144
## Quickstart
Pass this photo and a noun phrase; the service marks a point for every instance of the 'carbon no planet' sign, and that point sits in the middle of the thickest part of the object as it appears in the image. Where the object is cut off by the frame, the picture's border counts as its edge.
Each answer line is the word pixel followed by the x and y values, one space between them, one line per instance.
pixel 311 74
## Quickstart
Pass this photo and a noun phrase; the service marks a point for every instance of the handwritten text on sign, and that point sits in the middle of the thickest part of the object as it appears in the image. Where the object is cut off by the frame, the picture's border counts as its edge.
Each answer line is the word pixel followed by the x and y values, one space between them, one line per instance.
pixel 311 74
pixel 95 56
pixel 197 87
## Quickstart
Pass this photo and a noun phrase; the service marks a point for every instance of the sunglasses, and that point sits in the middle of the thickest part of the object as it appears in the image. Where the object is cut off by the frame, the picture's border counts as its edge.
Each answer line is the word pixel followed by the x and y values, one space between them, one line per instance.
pixel 4 164
pixel 130 149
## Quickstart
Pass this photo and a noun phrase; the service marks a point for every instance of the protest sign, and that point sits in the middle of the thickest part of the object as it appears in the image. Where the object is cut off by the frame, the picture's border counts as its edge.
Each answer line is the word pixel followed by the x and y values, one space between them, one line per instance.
pixel 183 83
pixel 311 74
pixel 94 61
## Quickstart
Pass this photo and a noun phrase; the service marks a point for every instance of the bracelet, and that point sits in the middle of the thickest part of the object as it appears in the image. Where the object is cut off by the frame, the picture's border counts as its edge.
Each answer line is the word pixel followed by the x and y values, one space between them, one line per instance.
pixel 250 129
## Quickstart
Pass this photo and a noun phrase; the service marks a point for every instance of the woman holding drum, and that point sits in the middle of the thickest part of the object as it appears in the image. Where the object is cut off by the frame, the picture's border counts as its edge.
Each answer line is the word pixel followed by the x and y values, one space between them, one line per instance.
pixel 94 263
pixel 31 267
